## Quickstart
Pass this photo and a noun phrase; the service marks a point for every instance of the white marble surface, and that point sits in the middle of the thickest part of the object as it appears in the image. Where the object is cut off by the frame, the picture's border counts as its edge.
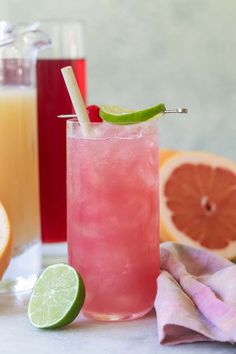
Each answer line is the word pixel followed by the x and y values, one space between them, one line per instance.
pixel 84 336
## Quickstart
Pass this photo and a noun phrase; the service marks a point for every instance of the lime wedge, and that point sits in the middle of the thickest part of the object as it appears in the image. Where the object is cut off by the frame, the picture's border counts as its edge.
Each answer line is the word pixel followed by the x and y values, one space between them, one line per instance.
pixel 123 116
pixel 57 297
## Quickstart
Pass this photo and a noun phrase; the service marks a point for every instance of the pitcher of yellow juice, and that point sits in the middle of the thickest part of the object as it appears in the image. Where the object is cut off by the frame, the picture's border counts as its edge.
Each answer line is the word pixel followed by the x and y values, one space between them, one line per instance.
pixel 19 187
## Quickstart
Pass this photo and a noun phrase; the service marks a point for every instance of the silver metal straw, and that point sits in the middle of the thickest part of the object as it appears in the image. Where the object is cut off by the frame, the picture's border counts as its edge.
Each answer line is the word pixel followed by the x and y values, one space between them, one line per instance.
pixel 177 110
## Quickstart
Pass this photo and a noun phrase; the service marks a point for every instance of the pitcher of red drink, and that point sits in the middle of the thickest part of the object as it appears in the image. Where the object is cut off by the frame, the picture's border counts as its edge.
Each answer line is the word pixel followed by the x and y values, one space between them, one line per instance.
pixel 67 49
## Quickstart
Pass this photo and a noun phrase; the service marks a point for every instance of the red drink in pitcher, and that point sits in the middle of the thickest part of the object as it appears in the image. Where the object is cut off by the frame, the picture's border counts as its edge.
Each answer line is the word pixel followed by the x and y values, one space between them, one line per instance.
pixel 66 49
pixel 52 100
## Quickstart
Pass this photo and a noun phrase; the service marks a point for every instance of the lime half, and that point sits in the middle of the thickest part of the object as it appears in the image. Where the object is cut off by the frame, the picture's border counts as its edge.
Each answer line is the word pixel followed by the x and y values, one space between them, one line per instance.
pixel 123 116
pixel 57 297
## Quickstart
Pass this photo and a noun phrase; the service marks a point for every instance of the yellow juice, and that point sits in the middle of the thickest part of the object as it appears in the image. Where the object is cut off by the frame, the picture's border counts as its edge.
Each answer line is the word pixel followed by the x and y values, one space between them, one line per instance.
pixel 19 187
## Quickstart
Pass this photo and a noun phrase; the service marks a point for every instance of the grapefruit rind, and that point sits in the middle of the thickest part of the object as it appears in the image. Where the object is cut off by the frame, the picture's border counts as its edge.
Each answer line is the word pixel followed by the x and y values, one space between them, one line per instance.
pixel 168 230
pixel 164 155
pixel 5 241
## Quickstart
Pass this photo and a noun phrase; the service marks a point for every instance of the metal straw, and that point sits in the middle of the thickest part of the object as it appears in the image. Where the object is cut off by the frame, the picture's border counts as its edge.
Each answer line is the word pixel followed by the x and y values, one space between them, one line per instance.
pixel 177 110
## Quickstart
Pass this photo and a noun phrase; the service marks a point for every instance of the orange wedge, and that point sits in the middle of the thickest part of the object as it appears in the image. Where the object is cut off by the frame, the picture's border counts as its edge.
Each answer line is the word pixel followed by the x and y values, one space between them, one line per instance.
pixel 5 241
pixel 198 201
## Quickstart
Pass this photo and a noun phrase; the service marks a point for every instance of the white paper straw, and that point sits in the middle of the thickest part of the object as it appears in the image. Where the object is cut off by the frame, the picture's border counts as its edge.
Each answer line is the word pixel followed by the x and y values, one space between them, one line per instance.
pixel 77 100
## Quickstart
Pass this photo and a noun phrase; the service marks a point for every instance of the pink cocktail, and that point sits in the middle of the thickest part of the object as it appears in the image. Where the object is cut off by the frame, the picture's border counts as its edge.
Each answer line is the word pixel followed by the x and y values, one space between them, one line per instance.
pixel 113 217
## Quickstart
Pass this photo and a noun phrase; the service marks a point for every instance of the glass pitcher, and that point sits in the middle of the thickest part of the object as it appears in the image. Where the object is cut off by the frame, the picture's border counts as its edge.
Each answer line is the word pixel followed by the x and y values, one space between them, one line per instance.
pixel 67 50
pixel 19 188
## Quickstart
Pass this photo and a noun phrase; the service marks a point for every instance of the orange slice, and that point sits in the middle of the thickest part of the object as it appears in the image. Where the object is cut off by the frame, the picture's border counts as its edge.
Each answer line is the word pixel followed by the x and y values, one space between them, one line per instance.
pixel 198 201
pixel 5 241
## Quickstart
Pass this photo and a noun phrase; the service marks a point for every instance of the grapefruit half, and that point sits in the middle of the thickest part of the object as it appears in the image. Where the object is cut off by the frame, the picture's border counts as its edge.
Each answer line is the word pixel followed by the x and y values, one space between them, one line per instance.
pixel 5 241
pixel 198 201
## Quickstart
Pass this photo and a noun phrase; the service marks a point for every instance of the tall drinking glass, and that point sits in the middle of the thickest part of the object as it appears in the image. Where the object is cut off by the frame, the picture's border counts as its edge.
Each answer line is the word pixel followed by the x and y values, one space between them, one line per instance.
pixel 67 49
pixel 113 217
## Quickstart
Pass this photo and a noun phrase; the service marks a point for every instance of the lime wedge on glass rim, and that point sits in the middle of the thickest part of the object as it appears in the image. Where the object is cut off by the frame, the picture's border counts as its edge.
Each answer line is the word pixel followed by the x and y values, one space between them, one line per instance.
pixel 117 115
pixel 57 297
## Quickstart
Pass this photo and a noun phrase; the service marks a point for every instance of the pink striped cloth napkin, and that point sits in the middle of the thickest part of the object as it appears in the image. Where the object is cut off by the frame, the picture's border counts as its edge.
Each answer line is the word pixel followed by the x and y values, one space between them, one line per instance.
pixel 196 299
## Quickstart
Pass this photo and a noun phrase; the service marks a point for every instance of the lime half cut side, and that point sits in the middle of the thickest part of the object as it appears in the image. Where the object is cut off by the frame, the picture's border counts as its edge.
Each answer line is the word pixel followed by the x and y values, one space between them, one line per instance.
pixel 57 297
pixel 123 116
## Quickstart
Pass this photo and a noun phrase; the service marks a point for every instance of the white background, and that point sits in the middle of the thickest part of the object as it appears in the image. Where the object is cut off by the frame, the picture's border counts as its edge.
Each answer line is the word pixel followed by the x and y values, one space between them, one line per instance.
pixel 141 52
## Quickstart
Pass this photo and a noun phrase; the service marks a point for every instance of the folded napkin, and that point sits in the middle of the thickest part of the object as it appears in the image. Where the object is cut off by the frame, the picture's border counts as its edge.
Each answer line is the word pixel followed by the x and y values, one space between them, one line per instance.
pixel 196 299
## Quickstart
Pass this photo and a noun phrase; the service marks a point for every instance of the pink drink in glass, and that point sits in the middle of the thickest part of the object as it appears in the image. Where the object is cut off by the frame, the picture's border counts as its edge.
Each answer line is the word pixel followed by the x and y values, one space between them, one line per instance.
pixel 113 217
